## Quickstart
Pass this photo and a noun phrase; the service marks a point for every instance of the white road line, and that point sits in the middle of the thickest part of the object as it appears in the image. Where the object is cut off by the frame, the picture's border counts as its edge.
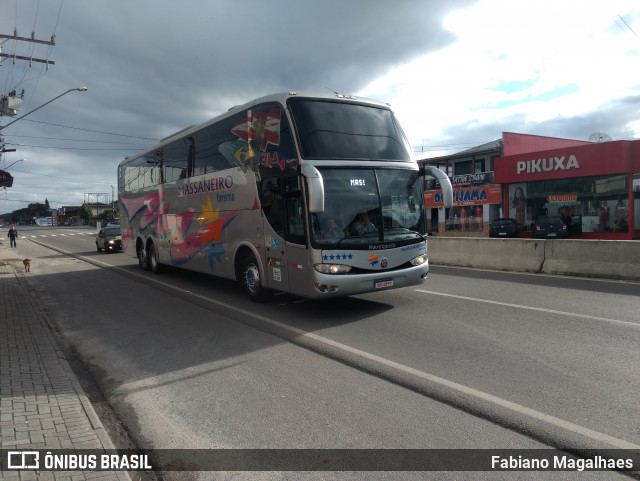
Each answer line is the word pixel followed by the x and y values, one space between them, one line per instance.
pixel 44 236
pixel 540 274
pixel 569 426
pixel 539 309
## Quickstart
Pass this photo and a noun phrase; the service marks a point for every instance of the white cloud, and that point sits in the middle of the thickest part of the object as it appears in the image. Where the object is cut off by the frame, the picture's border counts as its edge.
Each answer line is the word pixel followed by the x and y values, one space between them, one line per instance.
pixel 535 61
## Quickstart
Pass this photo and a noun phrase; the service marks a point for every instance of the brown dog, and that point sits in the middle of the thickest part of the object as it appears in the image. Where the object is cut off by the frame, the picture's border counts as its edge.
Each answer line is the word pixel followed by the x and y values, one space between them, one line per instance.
pixel 27 265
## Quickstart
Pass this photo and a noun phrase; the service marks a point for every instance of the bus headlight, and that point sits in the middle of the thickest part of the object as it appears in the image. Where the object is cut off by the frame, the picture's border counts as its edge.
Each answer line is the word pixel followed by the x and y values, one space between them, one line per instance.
pixel 418 261
pixel 332 268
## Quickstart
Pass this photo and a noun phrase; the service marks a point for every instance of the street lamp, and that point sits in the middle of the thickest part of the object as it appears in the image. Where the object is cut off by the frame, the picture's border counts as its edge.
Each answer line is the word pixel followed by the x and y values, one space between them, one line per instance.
pixel 79 89
pixel 7 168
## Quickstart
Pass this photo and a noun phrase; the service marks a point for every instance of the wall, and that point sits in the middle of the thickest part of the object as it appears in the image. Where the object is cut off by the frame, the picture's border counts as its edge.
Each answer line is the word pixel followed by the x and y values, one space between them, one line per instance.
pixel 513 143
pixel 590 258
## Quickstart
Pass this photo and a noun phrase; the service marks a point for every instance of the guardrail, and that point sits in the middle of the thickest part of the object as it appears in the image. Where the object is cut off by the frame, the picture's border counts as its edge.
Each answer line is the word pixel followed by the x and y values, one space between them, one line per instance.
pixel 590 258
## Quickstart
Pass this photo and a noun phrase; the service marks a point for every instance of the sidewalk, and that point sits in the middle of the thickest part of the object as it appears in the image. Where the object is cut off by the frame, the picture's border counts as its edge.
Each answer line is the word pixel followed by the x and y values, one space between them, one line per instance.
pixel 42 405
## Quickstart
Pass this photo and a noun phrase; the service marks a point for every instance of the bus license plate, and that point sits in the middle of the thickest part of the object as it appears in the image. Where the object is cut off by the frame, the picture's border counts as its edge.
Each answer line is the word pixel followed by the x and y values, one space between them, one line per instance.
pixel 381 283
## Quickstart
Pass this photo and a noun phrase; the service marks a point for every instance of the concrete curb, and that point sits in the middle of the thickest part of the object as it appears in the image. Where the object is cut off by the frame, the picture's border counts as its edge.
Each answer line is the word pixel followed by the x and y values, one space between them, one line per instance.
pixel 605 259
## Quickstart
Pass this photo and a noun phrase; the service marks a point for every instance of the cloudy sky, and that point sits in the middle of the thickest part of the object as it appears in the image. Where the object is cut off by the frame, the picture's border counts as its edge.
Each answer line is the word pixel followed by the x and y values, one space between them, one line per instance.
pixel 457 72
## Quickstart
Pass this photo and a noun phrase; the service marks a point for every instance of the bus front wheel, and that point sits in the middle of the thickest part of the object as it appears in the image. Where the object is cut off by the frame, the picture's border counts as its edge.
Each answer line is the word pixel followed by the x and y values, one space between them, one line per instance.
pixel 251 281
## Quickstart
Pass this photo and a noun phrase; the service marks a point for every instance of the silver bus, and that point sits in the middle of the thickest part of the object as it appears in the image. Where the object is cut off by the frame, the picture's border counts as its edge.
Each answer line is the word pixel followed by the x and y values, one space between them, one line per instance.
pixel 314 195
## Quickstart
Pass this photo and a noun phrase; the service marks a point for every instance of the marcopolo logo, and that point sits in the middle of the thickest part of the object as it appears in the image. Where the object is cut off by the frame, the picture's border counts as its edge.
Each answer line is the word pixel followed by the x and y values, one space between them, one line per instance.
pixel 547 165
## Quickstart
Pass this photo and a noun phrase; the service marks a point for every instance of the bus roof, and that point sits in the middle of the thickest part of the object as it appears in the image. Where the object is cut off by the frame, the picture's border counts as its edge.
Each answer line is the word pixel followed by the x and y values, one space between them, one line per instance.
pixel 280 97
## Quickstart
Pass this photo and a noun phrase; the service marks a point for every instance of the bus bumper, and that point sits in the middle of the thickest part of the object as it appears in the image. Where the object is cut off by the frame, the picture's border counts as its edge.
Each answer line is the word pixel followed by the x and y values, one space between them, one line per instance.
pixel 326 285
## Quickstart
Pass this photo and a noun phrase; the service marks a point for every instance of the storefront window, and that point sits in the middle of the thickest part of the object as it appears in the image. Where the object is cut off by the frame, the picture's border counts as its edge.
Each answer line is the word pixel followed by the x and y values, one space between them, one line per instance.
pixel 589 204
pixel 469 167
pixel 465 218
pixel 519 206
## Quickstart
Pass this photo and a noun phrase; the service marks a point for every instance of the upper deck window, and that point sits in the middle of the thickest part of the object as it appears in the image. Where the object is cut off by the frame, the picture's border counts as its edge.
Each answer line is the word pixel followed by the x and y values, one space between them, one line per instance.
pixel 344 130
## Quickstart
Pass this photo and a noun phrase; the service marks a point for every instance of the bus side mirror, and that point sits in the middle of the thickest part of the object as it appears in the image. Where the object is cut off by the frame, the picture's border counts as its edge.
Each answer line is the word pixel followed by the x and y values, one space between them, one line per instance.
pixel 445 184
pixel 315 187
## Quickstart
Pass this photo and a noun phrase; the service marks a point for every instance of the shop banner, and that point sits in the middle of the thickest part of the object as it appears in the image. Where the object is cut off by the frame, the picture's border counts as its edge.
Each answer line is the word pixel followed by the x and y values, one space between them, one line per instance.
pixel 562 198
pixel 477 195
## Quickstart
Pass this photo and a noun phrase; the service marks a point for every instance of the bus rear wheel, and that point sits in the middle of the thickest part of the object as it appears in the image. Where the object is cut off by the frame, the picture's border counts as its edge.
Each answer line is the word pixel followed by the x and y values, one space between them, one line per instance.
pixel 154 264
pixel 251 281
pixel 143 260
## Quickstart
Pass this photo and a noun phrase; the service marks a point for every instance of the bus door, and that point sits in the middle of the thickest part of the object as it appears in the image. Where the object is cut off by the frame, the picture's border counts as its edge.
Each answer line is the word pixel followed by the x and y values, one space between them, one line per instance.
pixel 285 253
pixel 274 252
pixel 297 253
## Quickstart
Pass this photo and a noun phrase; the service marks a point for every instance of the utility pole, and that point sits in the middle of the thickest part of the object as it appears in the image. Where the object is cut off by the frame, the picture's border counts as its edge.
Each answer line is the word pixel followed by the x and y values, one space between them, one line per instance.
pixel 97 195
pixel 31 39
pixel 11 103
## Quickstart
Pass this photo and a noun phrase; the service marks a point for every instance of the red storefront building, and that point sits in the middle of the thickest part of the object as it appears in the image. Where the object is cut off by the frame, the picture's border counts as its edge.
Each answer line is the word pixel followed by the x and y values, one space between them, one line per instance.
pixel 593 187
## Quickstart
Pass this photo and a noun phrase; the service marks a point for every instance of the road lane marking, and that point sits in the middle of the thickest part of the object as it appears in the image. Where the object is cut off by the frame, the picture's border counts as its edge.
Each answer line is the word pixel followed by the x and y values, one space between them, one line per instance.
pixel 532 413
pixel 538 309
pixel 539 274
pixel 469 391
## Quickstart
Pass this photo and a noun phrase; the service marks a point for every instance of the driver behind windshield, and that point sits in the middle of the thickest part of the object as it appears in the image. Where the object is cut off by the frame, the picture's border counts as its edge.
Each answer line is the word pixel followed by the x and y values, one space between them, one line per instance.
pixel 362 225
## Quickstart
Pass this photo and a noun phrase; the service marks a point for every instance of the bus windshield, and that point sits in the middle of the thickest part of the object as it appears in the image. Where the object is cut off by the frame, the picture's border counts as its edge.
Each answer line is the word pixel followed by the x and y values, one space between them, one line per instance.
pixel 342 130
pixel 365 206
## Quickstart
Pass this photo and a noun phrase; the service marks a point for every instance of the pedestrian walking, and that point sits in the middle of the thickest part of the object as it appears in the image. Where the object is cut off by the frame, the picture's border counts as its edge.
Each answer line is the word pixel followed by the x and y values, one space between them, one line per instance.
pixel 12 235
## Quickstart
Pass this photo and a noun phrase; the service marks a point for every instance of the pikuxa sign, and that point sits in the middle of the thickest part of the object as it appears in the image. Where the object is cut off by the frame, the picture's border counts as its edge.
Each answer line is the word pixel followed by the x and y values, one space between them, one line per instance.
pixel 547 165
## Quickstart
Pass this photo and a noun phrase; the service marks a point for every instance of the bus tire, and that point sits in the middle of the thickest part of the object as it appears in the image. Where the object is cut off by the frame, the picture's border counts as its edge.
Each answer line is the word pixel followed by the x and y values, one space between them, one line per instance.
pixel 154 264
pixel 251 281
pixel 143 260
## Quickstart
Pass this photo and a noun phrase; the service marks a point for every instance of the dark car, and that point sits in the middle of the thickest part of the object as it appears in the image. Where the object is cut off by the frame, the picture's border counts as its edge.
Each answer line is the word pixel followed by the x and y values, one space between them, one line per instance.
pixel 550 226
pixel 109 239
pixel 504 228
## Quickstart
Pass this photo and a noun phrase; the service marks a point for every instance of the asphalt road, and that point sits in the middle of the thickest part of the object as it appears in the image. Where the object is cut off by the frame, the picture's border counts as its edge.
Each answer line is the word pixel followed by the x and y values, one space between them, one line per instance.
pixel 470 359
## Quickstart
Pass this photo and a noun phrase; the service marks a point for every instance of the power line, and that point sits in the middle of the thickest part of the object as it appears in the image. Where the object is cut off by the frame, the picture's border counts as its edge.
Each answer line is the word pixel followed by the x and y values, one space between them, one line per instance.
pixel 61 177
pixel 89 130
pixel 75 140
pixel 628 26
pixel 66 148
pixel 51 201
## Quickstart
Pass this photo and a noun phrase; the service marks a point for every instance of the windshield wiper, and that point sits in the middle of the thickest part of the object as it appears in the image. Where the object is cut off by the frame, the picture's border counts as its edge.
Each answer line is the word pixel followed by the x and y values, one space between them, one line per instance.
pixel 404 230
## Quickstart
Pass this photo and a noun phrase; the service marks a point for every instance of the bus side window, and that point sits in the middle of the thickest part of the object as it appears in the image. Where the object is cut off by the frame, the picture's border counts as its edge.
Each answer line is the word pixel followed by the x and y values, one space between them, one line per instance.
pixel 175 161
pixel 272 205
pixel 273 142
pixel 295 218
pixel 216 147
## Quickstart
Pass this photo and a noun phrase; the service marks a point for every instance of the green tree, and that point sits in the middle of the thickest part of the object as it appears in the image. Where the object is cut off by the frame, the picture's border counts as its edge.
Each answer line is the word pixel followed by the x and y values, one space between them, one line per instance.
pixel 39 210
pixel 85 213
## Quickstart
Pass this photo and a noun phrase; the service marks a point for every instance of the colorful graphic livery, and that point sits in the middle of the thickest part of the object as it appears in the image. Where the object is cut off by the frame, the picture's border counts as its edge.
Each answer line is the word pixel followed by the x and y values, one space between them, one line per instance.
pixel 315 195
